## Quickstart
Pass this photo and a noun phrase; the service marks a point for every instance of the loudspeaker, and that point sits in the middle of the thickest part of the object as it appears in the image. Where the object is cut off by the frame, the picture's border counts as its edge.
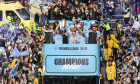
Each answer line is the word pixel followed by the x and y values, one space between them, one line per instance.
pixel 92 38
pixel 49 37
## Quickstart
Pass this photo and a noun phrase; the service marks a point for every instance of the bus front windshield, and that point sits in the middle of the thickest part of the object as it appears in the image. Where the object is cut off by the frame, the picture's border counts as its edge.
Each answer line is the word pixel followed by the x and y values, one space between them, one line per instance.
pixel 23 14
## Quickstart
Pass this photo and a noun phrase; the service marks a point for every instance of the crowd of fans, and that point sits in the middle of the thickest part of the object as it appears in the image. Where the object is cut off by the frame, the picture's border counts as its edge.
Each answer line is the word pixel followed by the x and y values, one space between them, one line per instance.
pixel 21 56
pixel 70 9
pixel 128 56
pixel 74 11
pixel 17 68
pixel 121 52
pixel 117 7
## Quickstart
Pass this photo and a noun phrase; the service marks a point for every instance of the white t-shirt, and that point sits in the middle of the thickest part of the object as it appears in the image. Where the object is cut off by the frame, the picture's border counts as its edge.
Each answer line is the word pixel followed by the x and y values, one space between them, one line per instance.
pixel 136 25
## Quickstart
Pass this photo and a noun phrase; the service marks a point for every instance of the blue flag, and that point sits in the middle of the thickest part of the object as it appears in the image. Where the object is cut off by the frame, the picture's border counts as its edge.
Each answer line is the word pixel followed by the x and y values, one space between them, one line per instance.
pixel 24 53
pixel 14 70
pixel 16 53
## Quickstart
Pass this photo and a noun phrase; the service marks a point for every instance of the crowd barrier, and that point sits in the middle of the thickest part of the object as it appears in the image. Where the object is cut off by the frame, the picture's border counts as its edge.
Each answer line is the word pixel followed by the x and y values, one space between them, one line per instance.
pixel 117 17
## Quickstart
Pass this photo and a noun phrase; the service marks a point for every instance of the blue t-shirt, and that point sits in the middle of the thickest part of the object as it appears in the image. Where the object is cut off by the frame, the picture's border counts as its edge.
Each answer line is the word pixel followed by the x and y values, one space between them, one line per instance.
pixel 81 39
pixel 58 39
pixel 8 37
pixel 72 40
pixel 98 34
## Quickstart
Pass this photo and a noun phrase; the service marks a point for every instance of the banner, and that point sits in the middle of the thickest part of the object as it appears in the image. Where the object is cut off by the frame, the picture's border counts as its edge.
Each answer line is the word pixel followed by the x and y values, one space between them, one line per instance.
pixel 70 60
pixel 71 63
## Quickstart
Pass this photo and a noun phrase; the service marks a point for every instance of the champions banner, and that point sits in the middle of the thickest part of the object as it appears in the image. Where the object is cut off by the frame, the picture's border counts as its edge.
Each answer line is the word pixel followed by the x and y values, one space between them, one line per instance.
pixel 70 60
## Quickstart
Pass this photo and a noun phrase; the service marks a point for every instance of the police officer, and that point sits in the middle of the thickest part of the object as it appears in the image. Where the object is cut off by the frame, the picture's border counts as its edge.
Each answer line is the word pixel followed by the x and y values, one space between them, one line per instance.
pixel 126 14
pixel 20 25
pixel 12 26
pixel 9 17
pixel 16 24
pixel 106 29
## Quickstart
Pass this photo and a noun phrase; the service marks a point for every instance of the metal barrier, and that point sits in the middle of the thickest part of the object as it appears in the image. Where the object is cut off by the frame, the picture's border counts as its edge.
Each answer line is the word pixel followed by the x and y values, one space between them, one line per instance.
pixel 117 17
pixel 114 18
pixel 113 22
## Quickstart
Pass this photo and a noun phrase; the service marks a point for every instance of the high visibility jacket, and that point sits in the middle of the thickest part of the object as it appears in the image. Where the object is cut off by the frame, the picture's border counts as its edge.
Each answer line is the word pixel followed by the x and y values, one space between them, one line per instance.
pixel 20 26
pixel 113 38
pixel 35 59
pixel 127 15
pixel 41 58
pixel 12 27
pixel 101 76
pixel 36 81
pixel 40 70
pixel 110 72
pixel 112 44
pixel 1 23
pixel 107 26
pixel 16 26
pixel 107 52
pixel 118 28
pixel 116 45
pixel 113 64
pixel 9 18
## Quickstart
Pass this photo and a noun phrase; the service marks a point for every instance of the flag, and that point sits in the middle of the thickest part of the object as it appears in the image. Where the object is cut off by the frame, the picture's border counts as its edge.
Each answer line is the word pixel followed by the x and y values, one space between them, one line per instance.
pixel 24 53
pixel 16 53
pixel 14 70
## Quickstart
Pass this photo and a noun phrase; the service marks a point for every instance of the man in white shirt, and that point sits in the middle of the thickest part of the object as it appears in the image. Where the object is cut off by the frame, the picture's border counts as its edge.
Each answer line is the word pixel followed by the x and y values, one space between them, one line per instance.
pixel 136 24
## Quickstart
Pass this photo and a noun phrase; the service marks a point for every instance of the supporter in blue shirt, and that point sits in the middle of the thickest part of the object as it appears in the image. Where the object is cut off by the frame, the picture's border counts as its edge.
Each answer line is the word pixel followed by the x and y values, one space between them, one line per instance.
pixel 81 38
pixel 94 29
pixel 8 36
pixel 73 38
pixel 74 28
pixel 58 38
